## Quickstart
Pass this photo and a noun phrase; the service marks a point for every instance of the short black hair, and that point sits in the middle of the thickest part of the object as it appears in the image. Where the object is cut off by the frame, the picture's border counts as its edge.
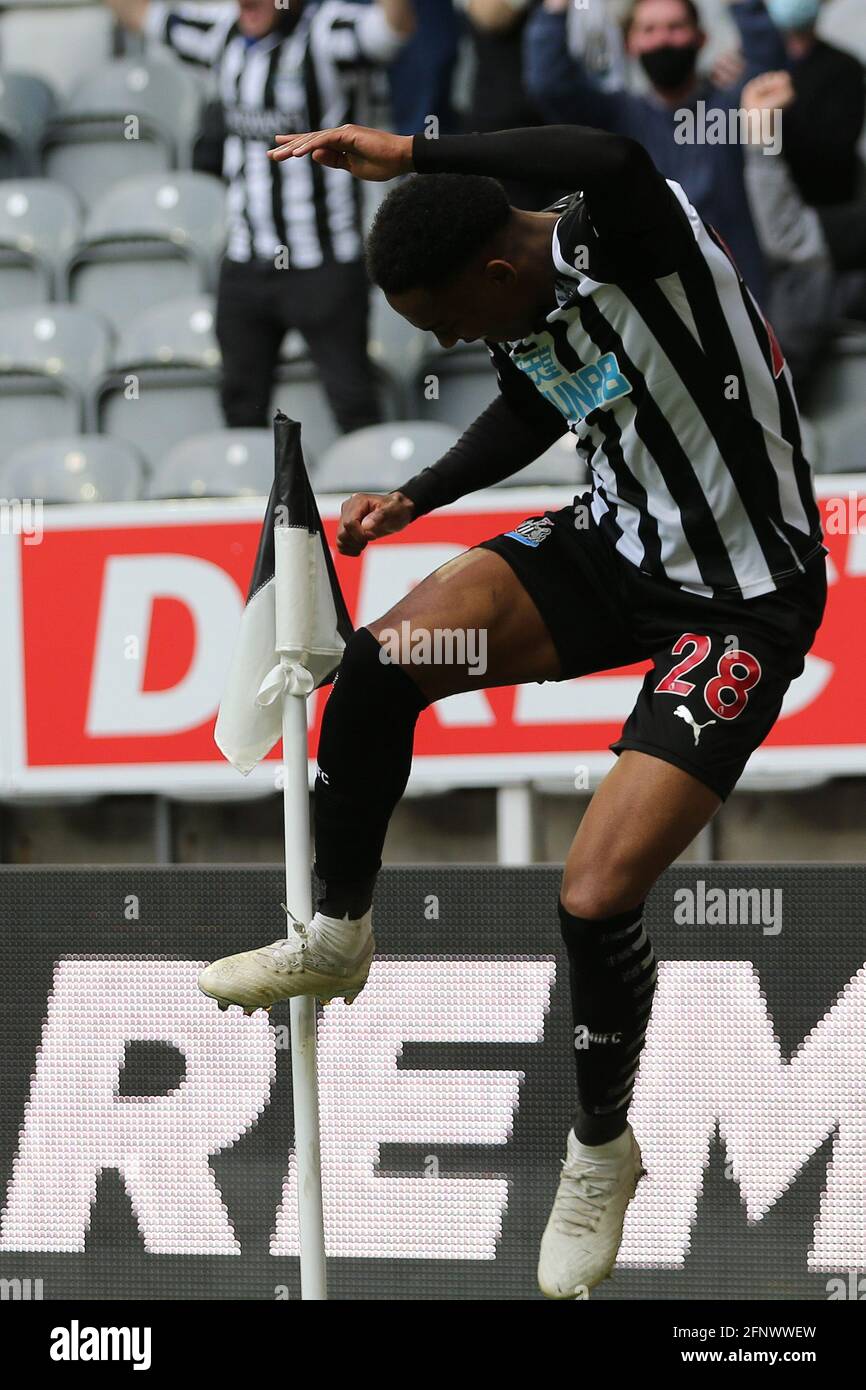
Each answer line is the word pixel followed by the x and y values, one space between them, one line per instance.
pixel 430 226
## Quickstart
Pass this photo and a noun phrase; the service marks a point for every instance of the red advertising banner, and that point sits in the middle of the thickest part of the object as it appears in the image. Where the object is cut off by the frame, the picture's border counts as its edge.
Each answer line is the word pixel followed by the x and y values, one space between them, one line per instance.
pixel 117 624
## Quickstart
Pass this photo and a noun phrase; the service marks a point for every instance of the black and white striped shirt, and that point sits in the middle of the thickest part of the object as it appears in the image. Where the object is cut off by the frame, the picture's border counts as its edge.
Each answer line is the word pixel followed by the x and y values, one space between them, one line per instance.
pixel 658 359
pixel 678 394
pixel 282 83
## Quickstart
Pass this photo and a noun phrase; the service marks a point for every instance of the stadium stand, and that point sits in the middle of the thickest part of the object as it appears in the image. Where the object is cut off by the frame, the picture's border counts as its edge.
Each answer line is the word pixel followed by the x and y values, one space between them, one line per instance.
pixel 381 457
pixel 559 466
pixel 39 227
pixel 27 104
pixel 453 386
pixel 49 355
pixel 58 40
pixel 223 463
pixel 163 384
pixel 395 346
pixel 76 468
pixel 148 239
pixel 124 119
pixel 126 231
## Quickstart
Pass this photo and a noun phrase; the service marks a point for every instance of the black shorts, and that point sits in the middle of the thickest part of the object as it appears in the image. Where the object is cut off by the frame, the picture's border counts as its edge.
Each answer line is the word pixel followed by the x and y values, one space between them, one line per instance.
pixel 720 669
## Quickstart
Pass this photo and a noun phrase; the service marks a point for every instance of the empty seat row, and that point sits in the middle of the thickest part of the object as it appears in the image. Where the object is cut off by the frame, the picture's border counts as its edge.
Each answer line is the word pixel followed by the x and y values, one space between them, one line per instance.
pixel 61 374
pixel 124 118
pixel 240 463
pixel 121 117
pixel 147 239
pixel 62 370
pixel 59 42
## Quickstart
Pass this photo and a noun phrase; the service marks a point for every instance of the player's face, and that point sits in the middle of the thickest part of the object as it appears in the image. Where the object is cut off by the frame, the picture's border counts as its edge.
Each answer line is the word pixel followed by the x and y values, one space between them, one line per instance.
pixel 661 24
pixel 471 307
pixel 259 17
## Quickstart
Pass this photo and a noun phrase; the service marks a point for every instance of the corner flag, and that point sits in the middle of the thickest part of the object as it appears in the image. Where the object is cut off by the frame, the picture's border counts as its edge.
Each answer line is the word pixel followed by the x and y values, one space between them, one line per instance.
pixel 293 632
pixel 295 624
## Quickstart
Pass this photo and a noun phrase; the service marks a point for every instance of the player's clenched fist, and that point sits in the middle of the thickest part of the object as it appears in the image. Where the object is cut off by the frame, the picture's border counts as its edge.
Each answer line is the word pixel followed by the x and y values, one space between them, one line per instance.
pixel 368 515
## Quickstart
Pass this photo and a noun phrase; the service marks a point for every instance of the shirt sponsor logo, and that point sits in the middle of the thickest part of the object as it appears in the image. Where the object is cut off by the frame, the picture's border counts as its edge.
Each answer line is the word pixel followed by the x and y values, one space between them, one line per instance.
pixel 575 394
pixel 251 124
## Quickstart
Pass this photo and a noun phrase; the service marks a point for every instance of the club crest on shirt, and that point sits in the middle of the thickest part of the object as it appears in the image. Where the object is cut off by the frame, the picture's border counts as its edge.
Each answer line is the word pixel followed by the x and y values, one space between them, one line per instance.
pixel 575 394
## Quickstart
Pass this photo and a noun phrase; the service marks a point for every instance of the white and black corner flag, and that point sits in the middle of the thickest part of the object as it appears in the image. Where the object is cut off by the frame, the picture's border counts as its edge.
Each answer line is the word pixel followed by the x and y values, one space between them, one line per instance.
pixel 295 624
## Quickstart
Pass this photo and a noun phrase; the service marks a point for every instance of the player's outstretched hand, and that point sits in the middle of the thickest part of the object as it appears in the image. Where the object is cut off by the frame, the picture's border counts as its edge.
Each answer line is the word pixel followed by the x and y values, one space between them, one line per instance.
pixel 375 155
pixel 367 515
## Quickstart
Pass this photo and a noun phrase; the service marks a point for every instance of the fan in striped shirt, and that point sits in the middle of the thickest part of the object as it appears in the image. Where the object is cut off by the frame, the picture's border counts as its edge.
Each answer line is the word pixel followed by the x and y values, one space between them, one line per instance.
pixel 617 315
pixel 294 234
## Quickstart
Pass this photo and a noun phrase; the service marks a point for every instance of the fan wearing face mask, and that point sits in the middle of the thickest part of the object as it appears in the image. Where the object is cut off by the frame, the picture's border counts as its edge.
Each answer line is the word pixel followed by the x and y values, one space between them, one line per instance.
pixel 665 38
pixel 825 117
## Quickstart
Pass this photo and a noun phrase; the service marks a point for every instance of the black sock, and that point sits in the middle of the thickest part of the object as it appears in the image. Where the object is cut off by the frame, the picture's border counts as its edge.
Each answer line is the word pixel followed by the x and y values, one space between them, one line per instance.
pixel 364 760
pixel 612 973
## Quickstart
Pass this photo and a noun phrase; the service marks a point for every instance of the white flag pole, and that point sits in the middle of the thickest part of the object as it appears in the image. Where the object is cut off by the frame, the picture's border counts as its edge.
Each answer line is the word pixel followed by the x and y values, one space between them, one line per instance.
pixel 294 622
pixel 305 1089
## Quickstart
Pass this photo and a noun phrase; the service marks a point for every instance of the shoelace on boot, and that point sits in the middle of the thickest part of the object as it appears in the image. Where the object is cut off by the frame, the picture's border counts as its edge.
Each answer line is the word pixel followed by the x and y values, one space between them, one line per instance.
pixel 581 1203
pixel 289 953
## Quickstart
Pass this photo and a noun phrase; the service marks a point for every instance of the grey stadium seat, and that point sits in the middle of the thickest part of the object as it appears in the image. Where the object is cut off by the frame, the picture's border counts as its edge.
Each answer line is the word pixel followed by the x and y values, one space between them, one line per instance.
pixel 74 468
pixel 225 463
pixel 464 382
pixel 381 457
pixel 559 466
pixel 27 104
pixel 180 331
pixel 299 393
pixel 842 436
pixel 88 146
pixel 393 343
pixel 148 240
pixel 58 40
pixel 39 224
pixel 172 353
pixel 842 380
pixel 50 354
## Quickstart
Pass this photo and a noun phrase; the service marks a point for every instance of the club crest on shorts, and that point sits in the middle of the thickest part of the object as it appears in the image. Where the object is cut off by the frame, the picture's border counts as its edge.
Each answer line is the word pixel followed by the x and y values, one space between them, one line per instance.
pixel 533 531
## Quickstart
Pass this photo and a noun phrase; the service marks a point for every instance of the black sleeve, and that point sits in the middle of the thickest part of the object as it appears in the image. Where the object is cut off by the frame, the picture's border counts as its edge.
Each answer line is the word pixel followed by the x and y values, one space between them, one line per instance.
pixel 509 434
pixel 634 213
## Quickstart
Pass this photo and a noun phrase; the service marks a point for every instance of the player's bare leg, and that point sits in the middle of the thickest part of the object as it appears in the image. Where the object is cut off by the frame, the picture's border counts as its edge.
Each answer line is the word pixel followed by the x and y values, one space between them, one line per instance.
pixel 644 814
pixel 365 755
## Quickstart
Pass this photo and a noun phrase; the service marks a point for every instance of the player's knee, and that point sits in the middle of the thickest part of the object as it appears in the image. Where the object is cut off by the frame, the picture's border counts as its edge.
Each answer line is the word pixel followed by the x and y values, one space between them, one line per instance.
pixel 362 660
pixel 368 665
pixel 594 894
pixel 410 647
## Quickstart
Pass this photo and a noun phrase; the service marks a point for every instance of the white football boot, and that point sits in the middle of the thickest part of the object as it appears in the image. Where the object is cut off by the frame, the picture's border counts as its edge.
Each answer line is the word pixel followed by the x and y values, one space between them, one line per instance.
pixel 583 1234
pixel 329 958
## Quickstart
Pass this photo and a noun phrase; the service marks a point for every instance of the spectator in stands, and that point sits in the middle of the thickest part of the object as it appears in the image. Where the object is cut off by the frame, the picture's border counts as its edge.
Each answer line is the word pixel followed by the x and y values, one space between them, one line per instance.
pixel 498 100
pixel 824 120
pixel 665 38
pixel 295 256
pixel 420 77
pixel 810 291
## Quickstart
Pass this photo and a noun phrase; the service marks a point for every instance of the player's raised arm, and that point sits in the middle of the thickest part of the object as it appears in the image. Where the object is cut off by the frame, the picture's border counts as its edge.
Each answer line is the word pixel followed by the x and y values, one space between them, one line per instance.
pixel 373 155
pixel 629 201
